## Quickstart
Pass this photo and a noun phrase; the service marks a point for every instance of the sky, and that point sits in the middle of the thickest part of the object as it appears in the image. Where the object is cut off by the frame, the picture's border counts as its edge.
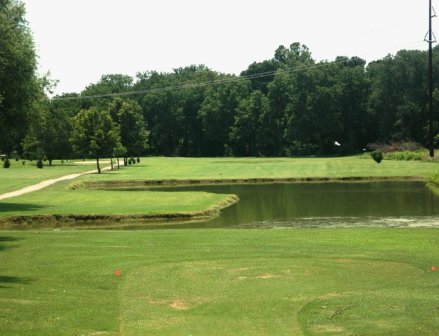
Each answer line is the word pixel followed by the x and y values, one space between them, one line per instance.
pixel 78 41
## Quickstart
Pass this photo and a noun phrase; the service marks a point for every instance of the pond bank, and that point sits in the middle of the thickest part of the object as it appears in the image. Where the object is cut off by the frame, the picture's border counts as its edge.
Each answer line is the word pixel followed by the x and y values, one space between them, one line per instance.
pixel 188 182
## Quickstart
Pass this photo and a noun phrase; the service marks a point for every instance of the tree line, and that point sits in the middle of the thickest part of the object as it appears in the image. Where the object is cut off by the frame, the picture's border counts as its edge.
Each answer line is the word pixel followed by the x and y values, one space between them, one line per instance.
pixel 289 105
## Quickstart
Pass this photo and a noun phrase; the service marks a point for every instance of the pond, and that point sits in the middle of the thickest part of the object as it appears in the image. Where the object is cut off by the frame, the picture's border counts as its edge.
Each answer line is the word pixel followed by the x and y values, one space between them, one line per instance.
pixel 351 204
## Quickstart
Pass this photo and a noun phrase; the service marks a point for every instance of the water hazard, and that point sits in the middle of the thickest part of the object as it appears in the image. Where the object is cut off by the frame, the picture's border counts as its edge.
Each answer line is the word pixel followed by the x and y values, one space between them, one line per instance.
pixel 385 203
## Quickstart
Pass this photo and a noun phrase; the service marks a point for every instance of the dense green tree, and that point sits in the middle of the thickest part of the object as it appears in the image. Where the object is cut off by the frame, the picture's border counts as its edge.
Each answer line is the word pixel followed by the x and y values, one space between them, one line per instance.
pixel 287 105
pixel 259 74
pixel 246 136
pixel 18 82
pixel 95 134
pixel 398 97
pixel 50 127
pixel 217 114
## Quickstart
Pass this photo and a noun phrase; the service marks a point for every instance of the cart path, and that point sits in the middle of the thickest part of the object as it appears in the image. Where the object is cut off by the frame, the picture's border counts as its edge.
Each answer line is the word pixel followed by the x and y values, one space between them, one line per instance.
pixel 45 184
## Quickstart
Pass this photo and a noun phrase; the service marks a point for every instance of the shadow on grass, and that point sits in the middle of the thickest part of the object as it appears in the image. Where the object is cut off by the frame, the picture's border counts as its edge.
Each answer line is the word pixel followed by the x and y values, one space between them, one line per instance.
pixel 13 280
pixel 7 239
pixel 8 280
pixel 5 207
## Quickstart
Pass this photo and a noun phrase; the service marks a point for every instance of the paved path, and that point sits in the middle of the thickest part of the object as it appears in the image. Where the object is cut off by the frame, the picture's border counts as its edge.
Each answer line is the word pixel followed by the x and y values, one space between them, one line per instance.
pixel 45 184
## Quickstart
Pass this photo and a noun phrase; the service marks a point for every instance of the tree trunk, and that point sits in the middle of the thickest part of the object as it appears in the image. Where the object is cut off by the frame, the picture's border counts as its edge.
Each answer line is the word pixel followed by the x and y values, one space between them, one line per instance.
pixel 111 163
pixel 50 162
pixel 97 165
pixel 118 166
pixel 125 161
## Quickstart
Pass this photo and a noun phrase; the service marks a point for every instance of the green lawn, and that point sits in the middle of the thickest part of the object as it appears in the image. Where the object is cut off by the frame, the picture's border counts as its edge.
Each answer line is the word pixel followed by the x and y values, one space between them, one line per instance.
pixel 19 176
pixel 220 282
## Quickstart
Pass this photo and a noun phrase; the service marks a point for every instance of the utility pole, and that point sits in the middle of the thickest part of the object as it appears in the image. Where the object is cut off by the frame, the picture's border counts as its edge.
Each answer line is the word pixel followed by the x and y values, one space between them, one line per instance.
pixel 431 15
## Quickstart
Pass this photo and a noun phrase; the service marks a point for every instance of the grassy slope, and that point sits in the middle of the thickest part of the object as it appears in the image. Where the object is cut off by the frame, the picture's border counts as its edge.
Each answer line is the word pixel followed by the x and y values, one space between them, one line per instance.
pixel 220 282
pixel 19 176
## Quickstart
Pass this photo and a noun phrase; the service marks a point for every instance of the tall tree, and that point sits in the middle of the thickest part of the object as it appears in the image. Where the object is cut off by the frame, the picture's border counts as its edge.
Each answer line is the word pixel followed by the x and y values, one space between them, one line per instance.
pixel 17 74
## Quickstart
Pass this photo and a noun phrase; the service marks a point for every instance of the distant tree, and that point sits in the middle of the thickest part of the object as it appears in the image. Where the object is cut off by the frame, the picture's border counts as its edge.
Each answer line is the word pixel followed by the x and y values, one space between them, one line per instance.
pixel 246 135
pixel 398 98
pixel 95 134
pixel 110 83
pixel 217 113
pixel 50 127
pixel 134 136
pixel 259 74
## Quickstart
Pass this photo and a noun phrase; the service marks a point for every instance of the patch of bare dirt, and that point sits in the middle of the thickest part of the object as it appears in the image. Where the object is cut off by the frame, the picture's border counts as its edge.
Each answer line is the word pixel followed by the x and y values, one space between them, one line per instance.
pixel 179 305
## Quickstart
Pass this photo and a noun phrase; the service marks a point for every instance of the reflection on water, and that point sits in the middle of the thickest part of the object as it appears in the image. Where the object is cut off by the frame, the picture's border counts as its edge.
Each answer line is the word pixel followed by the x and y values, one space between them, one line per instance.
pixel 394 204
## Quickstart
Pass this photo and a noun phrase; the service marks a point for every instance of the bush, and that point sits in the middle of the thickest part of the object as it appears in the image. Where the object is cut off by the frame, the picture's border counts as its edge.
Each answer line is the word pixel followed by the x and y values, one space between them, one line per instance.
pixel 418 155
pixel 6 163
pixel 138 160
pixel 133 160
pixel 40 164
pixel 23 162
pixel 394 146
pixel 377 156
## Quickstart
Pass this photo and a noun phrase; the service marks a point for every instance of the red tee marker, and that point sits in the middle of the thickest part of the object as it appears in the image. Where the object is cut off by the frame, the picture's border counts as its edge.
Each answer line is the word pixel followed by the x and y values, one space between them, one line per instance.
pixel 433 268
pixel 117 273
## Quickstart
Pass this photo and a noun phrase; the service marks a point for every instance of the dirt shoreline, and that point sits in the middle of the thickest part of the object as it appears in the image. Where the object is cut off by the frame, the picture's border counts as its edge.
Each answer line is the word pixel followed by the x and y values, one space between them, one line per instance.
pixel 197 182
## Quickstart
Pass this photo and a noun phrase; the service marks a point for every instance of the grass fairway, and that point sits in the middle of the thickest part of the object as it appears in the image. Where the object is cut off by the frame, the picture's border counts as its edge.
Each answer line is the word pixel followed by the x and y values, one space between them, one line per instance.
pixel 235 168
pixel 19 176
pixel 220 282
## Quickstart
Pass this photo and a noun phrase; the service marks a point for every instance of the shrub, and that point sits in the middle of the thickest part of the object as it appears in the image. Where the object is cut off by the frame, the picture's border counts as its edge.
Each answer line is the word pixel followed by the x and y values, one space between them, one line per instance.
pixel 138 160
pixel 377 156
pixel 23 162
pixel 6 163
pixel 133 160
pixel 17 159
pixel 418 155
pixel 395 146
pixel 40 164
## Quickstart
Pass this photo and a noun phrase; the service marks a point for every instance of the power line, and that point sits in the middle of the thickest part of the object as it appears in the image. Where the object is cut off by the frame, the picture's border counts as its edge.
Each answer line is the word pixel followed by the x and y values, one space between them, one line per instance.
pixel 208 83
